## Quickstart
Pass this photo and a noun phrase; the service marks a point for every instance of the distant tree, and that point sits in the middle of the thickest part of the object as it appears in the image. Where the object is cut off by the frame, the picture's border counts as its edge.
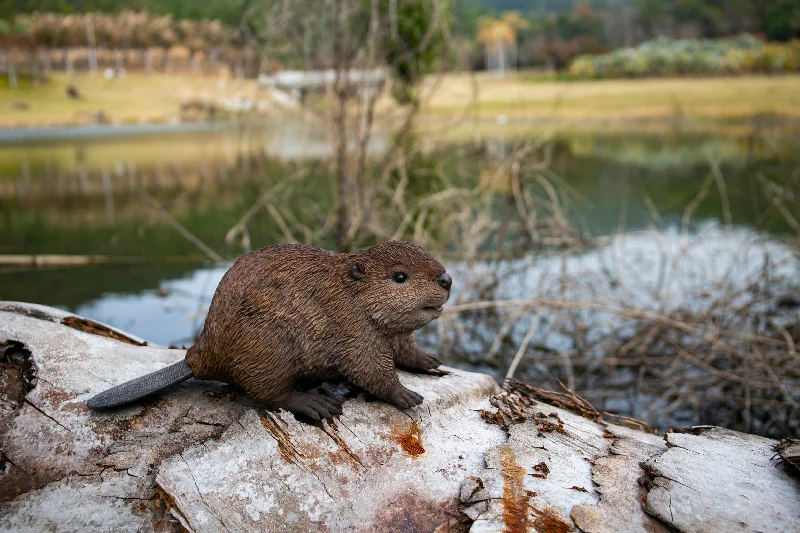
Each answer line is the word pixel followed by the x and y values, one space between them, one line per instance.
pixel 214 34
pixel 227 11
pixel 141 36
pixel 105 30
pixel 16 34
pixel 580 21
pixel 403 38
pixel 703 18
pixel 163 36
pixel 45 30
pixel 191 36
pixel 71 33
pixel 781 20
pixel 465 17
pixel 410 49
pixel 499 38
pixel 556 39
pixel 122 34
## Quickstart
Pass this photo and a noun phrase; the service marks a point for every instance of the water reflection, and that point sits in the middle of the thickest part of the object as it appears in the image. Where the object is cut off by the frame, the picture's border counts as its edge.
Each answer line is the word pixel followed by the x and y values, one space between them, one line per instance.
pixel 85 196
pixel 171 314
pixel 49 173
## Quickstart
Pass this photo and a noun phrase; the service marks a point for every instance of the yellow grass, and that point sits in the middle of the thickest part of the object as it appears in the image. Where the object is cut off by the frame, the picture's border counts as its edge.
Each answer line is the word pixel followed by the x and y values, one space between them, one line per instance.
pixel 157 98
pixel 137 98
pixel 716 98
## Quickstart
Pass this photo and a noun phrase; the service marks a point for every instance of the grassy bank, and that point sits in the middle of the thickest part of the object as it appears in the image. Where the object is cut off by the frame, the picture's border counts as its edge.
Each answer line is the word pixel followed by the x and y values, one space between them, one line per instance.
pixel 522 96
pixel 137 98
pixel 158 98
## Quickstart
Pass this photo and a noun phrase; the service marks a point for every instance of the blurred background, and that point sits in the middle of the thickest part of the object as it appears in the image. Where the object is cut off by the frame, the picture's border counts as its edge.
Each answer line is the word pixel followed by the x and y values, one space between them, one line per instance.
pixel 614 184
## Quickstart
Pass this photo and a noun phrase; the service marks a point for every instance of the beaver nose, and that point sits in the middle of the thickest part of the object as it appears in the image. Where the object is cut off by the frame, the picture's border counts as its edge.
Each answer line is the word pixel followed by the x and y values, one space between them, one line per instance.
pixel 445 280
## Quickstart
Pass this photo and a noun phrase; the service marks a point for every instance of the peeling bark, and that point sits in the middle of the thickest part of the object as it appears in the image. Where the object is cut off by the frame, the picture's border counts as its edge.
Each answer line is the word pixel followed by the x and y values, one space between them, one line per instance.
pixel 789 450
pixel 713 479
pixel 619 482
pixel 203 457
pixel 55 450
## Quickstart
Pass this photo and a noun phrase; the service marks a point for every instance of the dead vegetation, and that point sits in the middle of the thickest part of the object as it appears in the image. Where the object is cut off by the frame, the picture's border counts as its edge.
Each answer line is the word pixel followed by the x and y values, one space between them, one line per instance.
pixel 726 357
pixel 95 328
pixel 789 452
pixel 515 405
pixel 17 376
pixel 676 327
pixel 680 326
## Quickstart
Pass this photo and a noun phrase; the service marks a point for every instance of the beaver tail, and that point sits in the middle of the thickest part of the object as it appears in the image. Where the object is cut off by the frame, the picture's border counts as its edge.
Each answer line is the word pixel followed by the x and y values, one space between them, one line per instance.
pixel 139 388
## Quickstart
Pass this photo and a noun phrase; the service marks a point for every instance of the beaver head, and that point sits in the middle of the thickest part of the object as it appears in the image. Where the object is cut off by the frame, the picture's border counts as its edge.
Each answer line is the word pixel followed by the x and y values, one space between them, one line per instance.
pixel 401 285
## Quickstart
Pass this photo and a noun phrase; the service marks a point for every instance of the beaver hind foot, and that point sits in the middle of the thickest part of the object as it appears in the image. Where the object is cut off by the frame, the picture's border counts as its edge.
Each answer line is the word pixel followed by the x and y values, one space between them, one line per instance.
pixel 315 406
pixel 404 398
pixel 420 362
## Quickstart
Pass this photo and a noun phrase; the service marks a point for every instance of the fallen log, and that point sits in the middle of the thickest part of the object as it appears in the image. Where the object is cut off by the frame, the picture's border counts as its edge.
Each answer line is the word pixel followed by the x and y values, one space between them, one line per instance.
pixel 204 457
pixel 52 260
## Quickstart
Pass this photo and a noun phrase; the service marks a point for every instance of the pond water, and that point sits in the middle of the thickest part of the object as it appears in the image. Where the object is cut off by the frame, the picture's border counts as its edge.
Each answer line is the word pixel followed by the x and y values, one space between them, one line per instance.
pixel 92 196
pixel 84 196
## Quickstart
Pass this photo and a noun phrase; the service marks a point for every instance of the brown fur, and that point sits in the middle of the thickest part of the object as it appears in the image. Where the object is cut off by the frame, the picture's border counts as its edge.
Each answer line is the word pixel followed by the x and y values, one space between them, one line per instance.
pixel 288 314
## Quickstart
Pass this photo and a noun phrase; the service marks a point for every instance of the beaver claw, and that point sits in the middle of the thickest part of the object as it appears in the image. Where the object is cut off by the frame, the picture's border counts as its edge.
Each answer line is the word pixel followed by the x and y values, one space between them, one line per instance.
pixel 405 398
pixel 430 361
pixel 314 406
pixel 419 361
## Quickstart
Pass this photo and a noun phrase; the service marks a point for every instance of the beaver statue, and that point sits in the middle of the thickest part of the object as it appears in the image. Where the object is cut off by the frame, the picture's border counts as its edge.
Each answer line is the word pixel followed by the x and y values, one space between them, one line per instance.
pixel 288 314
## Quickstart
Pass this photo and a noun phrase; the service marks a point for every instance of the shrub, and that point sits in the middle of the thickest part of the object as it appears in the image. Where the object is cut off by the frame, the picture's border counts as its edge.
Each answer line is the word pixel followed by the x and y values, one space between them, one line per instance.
pixel 669 57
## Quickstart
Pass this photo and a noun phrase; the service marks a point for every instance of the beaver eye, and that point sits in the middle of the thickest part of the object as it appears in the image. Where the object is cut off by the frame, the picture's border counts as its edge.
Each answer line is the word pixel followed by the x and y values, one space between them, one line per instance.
pixel 399 277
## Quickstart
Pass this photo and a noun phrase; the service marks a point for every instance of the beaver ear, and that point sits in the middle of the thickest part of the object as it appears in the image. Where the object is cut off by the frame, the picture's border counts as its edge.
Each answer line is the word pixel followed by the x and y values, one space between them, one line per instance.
pixel 356 271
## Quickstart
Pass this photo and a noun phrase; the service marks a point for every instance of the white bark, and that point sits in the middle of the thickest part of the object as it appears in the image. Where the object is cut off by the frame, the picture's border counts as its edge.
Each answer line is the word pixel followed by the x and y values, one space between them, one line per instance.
pixel 712 465
pixel 148 62
pixel 221 463
pixel 92 45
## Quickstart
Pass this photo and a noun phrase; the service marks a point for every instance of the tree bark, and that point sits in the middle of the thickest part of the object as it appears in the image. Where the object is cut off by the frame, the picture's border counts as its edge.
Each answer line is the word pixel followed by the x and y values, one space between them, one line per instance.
pixel 471 457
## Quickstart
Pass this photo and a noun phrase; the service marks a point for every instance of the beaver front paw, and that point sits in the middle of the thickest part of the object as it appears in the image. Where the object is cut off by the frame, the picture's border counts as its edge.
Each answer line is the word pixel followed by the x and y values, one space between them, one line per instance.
pixel 404 398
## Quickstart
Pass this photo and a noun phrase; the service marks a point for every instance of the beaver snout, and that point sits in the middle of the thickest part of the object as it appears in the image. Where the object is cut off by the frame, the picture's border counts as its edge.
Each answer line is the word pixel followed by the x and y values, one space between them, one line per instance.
pixel 445 281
